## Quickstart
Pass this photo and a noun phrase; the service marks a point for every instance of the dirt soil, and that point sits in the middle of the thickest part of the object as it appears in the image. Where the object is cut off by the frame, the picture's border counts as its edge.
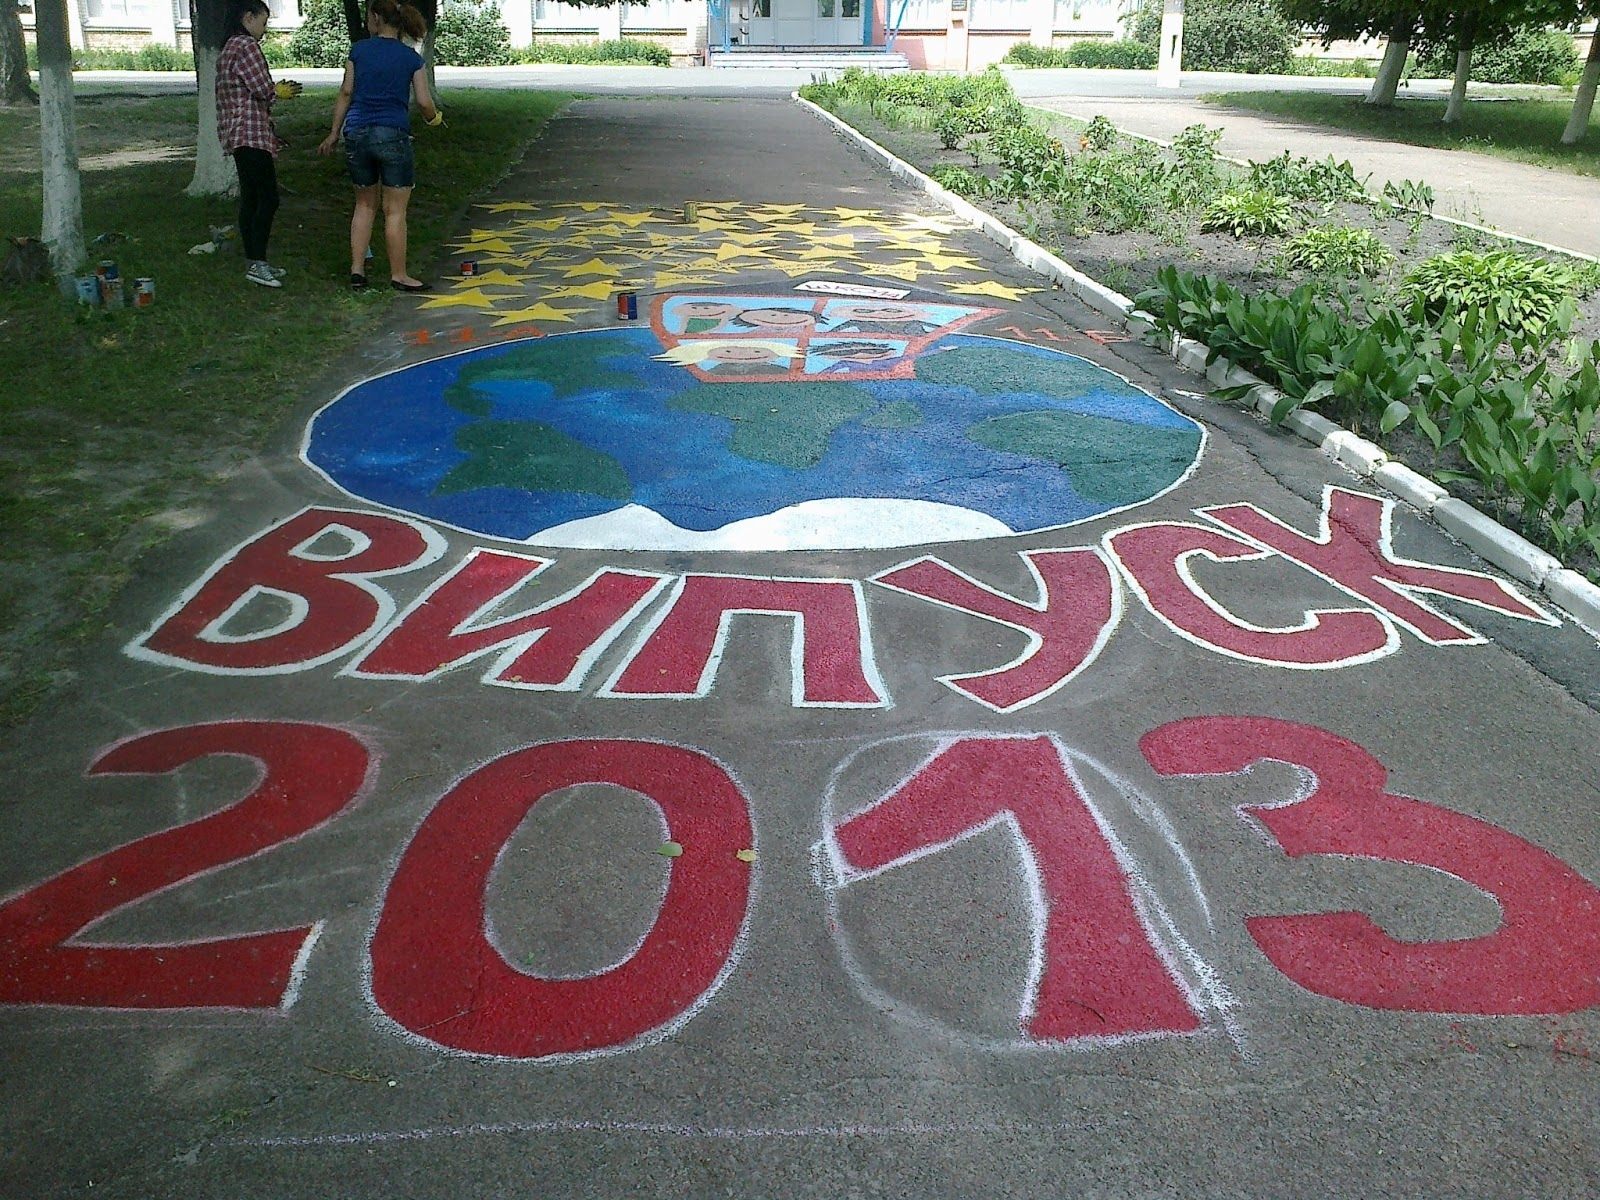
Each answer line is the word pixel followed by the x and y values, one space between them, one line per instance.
pixel 1128 262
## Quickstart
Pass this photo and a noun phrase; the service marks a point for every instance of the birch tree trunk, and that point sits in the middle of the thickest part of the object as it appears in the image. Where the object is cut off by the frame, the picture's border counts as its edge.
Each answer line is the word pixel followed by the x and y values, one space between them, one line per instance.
pixel 1393 65
pixel 214 174
pixel 15 86
pixel 62 228
pixel 1583 101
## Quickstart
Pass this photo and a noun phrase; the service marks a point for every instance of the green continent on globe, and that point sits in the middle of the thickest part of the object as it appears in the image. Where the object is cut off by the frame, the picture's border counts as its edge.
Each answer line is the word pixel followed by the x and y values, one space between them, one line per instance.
pixel 1114 462
pixel 1003 369
pixel 898 414
pixel 786 424
pixel 532 457
pixel 570 366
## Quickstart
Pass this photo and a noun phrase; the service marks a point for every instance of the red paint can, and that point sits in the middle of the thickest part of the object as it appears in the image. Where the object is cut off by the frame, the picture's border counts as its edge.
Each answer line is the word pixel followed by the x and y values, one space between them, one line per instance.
pixel 469 266
pixel 627 306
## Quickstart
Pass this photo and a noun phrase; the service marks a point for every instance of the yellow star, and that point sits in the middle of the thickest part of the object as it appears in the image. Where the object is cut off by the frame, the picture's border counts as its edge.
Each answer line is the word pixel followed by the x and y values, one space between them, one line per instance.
pixel 471 298
pixel 848 213
pixel 670 279
pixel 750 239
pixel 725 252
pixel 497 278
pixel 506 206
pixel 804 228
pixel 598 290
pixel 586 205
pixel 946 262
pixel 547 224
pixel 635 219
pixel 487 242
pixel 792 270
pixel 778 209
pixel 594 266
pixel 989 288
pixel 932 224
pixel 909 271
pixel 816 252
pixel 539 312
pixel 836 239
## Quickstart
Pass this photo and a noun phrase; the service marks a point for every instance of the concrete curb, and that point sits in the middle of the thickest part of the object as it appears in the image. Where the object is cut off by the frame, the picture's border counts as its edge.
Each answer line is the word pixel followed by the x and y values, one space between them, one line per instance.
pixel 1485 537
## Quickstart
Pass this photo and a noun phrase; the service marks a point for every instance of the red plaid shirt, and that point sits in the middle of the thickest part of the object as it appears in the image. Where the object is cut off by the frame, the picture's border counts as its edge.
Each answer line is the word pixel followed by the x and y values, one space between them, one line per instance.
pixel 244 97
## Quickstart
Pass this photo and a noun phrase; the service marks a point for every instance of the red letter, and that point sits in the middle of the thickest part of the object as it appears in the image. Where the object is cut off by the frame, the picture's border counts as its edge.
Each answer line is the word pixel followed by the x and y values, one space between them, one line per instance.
pixel 830 661
pixel 435 971
pixel 551 646
pixel 310 772
pixel 1352 552
pixel 1544 958
pixel 1155 559
pixel 1100 975
pixel 1078 607
pixel 331 603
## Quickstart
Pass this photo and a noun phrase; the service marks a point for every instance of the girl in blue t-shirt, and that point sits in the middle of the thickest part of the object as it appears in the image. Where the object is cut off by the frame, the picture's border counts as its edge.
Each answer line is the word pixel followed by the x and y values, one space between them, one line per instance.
pixel 373 114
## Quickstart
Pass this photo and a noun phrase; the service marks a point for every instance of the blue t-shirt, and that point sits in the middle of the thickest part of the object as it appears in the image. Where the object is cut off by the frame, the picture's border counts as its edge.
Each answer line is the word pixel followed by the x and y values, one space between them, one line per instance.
pixel 382 96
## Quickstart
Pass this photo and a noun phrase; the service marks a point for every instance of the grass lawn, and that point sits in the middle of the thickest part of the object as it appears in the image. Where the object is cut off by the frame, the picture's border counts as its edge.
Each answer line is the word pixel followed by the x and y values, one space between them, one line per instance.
pixel 117 425
pixel 1522 130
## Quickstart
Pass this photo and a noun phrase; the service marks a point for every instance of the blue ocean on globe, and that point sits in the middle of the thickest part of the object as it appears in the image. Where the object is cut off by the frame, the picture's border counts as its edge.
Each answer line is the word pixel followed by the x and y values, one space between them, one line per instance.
pixel 517 438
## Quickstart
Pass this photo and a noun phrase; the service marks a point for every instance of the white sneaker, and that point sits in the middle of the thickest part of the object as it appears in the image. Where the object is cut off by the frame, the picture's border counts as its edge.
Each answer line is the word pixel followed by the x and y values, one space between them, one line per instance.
pixel 278 272
pixel 259 272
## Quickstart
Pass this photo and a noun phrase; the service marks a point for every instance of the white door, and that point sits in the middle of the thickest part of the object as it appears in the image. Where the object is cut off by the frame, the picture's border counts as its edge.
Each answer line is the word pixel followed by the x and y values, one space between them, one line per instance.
pixel 804 22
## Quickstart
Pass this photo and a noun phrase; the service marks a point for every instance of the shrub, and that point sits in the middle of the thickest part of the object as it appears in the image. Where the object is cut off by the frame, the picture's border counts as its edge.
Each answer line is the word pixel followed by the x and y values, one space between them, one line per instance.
pixel 613 50
pixel 323 39
pixel 1100 134
pixel 1120 54
pixel 1523 295
pixel 1249 214
pixel 1340 249
pixel 471 35
pixel 1227 35
pixel 1528 55
pixel 1334 68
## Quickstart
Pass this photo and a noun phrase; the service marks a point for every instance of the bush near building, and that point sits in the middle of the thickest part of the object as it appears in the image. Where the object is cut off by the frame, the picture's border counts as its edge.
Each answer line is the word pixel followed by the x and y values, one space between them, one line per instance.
pixel 1529 55
pixel 1251 36
pixel 471 35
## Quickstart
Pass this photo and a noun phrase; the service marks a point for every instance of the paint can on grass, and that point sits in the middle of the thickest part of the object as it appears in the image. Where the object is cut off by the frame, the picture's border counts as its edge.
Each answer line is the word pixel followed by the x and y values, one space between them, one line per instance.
pixel 88 290
pixel 144 292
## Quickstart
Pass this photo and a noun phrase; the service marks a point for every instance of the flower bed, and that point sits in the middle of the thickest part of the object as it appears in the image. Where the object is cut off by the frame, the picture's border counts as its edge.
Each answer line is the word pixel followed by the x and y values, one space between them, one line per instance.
pixel 1465 355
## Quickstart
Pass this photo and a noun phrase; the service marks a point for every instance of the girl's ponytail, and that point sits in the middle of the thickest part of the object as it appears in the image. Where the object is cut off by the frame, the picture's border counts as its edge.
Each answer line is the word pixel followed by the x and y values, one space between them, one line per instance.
pixel 411 22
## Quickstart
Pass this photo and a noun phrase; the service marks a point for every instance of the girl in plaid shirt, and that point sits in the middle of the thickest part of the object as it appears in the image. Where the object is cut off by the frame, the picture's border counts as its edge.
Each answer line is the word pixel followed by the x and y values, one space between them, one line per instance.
pixel 245 93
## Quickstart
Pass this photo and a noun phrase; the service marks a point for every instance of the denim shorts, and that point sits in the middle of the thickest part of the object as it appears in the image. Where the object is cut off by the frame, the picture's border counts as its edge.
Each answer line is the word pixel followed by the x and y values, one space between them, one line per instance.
pixel 380 153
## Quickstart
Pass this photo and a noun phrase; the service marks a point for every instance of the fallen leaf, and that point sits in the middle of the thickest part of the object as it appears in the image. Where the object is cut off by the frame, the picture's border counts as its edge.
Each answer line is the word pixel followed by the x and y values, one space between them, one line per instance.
pixel 745 855
pixel 670 850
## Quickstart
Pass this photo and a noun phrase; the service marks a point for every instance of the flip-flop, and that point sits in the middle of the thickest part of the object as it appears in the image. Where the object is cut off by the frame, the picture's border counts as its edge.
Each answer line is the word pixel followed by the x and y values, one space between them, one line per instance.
pixel 398 286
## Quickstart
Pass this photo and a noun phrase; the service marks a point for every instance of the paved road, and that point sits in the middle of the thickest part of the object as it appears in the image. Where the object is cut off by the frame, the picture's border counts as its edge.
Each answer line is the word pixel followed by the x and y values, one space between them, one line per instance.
pixel 797 743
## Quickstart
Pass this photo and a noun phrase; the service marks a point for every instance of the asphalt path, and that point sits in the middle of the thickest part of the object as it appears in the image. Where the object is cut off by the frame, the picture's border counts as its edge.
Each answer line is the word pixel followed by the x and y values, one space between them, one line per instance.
pixel 796 742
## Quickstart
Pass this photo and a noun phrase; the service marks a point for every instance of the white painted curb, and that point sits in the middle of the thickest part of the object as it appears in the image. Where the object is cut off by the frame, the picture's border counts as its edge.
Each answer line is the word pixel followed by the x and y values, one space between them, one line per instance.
pixel 1485 537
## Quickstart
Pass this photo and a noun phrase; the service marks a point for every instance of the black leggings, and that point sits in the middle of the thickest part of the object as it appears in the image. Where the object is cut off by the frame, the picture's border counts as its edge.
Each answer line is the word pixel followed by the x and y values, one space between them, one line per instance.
pixel 258 199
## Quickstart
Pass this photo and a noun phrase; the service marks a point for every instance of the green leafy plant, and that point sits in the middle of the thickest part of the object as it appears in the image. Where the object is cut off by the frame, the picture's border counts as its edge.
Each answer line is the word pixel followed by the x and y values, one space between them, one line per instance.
pixel 1410 195
pixel 1531 54
pixel 959 180
pixel 323 39
pixel 1100 134
pixel 471 35
pixel 1525 295
pixel 1226 35
pixel 1338 249
pixel 1308 180
pixel 1249 213
pixel 611 50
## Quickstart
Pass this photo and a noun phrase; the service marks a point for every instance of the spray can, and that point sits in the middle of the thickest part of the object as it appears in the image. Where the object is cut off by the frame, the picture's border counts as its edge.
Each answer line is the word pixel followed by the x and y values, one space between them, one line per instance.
pixel 627 305
pixel 144 292
pixel 88 290
pixel 691 212
pixel 469 266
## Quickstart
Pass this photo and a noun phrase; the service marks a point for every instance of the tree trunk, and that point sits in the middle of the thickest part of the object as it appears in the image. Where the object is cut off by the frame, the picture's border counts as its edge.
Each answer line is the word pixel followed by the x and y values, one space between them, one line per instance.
pixel 1393 66
pixel 15 86
pixel 213 170
pixel 354 20
pixel 1583 101
pixel 1458 86
pixel 62 228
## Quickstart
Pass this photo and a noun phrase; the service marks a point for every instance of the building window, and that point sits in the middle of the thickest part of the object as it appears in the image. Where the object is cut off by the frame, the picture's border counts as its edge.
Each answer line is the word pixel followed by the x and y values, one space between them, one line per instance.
pixel 117 12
